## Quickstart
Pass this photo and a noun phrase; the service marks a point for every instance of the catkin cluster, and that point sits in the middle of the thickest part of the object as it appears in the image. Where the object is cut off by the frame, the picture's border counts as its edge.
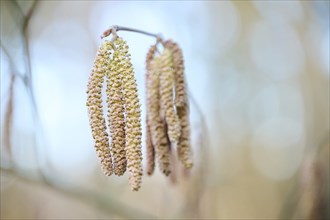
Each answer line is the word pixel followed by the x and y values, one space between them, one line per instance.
pixel 124 150
pixel 167 109
pixel 118 139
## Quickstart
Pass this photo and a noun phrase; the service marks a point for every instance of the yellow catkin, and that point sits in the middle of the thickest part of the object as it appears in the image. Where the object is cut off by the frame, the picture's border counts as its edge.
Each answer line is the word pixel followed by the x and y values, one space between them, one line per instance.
pixel 178 63
pixel 184 148
pixel 157 125
pixel 150 150
pixel 95 108
pixel 166 96
pixel 182 105
pixel 132 113
pixel 116 116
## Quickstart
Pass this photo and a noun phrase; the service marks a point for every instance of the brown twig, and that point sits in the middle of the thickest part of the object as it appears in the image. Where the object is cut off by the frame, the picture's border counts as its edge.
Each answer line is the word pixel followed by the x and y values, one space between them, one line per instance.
pixel 116 28
pixel 9 117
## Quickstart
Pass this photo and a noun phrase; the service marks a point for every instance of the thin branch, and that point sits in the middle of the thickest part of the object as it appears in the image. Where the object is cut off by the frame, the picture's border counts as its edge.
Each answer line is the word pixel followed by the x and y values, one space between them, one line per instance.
pixel 8 124
pixel 116 28
pixel 198 189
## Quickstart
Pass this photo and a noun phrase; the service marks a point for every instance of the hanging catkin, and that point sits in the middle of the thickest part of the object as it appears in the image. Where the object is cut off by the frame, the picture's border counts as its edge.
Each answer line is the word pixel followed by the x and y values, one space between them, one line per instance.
pixel 167 117
pixel 150 151
pixel 132 113
pixel 184 149
pixel 166 96
pixel 149 145
pixel 157 125
pixel 178 65
pixel 116 116
pixel 182 104
pixel 95 108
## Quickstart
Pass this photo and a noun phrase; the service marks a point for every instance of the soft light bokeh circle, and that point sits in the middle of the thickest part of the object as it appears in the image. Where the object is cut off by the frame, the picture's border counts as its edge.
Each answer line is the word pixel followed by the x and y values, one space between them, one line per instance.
pixel 275 100
pixel 291 11
pixel 277 147
pixel 276 50
pixel 227 29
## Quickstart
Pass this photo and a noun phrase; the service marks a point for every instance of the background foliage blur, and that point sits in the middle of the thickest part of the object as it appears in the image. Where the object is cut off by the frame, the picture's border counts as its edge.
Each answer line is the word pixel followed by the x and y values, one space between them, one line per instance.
pixel 258 70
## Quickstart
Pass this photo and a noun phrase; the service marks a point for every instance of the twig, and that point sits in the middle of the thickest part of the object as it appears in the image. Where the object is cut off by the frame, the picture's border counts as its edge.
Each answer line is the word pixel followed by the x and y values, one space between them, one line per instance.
pixel 116 28
pixel 7 132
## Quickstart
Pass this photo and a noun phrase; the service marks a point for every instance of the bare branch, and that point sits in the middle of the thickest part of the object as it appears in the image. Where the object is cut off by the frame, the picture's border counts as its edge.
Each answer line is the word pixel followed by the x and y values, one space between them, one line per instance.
pixel 116 28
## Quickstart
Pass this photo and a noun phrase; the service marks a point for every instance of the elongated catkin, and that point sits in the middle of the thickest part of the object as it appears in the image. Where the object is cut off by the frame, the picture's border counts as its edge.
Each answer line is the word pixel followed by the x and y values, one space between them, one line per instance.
pixel 184 148
pixel 95 108
pixel 178 65
pixel 167 96
pixel 157 126
pixel 150 149
pixel 133 114
pixel 116 117
pixel 182 104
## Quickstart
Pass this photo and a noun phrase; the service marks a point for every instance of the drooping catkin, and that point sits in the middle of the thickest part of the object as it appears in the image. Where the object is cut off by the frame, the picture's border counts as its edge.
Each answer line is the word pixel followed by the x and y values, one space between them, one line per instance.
pixel 184 148
pixel 150 150
pixel 182 104
pixel 133 114
pixel 95 108
pixel 157 125
pixel 178 63
pixel 116 118
pixel 149 145
pixel 166 96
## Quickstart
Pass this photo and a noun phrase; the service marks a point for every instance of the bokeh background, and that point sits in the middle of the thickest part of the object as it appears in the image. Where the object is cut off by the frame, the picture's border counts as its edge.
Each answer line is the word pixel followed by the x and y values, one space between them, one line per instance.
pixel 258 77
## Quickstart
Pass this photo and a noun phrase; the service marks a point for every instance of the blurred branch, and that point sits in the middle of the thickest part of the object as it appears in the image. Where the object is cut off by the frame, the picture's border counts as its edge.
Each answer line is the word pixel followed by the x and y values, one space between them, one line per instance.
pixel 196 190
pixel 294 198
pixel 29 15
pixel 7 131
pixel 93 198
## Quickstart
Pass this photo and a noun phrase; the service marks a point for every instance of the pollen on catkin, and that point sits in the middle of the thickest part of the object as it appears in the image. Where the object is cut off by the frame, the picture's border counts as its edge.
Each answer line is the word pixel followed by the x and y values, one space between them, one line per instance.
pixel 116 117
pixel 167 96
pixel 95 109
pixel 149 145
pixel 182 104
pixel 150 151
pixel 184 148
pixel 132 113
pixel 157 124
pixel 178 64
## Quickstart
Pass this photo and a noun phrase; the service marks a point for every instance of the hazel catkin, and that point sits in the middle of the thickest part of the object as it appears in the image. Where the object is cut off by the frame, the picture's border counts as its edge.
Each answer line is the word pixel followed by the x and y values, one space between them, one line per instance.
pixel 95 108
pixel 116 117
pixel 167 96
pixel 178 65
pixel 157 124
pixel 150 149
pixel 182 104
pixel 132 113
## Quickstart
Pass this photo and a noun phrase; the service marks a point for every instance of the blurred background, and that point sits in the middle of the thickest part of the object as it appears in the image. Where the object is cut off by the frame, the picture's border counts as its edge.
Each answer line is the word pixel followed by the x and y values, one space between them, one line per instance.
pixel 258 78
